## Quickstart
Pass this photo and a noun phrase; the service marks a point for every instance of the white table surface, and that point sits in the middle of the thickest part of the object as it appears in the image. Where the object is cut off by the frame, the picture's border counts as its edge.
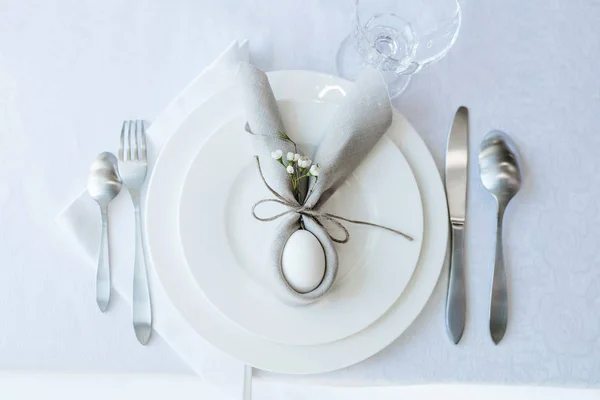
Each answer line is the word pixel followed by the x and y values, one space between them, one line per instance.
pixel 71 71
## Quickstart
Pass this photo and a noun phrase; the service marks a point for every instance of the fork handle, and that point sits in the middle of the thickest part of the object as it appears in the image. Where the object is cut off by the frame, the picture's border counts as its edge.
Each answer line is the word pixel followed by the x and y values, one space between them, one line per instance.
pixel 103 271
pixel 142 308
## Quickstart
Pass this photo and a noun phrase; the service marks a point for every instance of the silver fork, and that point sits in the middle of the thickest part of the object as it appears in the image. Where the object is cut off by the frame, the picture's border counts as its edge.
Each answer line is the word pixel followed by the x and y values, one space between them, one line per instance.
pixel 133 165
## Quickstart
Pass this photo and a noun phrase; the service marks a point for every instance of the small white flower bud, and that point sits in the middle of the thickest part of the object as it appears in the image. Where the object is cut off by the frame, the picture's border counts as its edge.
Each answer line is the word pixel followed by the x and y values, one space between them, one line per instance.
pixel 314 170
pixel 290 156
pixel 290 169
pixel 304 162
pixel 277 154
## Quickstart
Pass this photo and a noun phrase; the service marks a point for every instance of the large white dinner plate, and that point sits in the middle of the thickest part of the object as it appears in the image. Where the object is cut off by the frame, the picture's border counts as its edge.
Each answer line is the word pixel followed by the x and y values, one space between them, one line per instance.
pixel 167 258
pixel 227 249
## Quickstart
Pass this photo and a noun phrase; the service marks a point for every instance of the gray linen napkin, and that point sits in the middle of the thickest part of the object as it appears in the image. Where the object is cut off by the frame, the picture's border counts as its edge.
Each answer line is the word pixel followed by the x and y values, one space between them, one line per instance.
pixel 353 131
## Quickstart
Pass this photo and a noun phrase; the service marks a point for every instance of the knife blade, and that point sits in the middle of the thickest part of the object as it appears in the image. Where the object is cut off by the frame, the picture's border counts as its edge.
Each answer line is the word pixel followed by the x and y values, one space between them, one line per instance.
pixel 456 178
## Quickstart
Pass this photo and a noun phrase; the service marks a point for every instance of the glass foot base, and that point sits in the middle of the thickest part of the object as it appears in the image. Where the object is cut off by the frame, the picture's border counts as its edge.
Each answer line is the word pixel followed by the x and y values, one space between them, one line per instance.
pixel 349 64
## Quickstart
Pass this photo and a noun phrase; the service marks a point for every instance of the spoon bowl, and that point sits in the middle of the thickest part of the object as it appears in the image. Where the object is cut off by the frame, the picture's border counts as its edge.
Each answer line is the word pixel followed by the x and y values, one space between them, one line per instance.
pixel 500 170
pixel 500 166
pixel 104 184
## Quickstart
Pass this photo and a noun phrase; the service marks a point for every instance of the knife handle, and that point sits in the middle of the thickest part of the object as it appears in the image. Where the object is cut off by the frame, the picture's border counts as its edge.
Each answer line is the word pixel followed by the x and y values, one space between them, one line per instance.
pixel 456 307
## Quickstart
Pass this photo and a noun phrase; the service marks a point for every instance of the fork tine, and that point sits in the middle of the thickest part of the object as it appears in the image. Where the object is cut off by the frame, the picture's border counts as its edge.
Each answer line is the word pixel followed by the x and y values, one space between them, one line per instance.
pixel 144 155
pixel 136 148
pixel 122 141
pixel 129 140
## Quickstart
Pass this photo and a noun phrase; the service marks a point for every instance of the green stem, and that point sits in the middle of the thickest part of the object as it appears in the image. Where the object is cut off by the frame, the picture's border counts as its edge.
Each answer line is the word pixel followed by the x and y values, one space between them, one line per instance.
pixel 312 188
pixel 297 171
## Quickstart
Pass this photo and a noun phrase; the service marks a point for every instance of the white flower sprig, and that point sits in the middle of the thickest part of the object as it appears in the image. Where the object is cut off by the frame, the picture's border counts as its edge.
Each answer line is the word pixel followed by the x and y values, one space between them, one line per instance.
pixel 298 167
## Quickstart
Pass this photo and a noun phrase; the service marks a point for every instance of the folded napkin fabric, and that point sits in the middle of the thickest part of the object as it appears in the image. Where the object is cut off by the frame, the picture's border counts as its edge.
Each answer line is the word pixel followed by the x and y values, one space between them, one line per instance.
pixel 353 131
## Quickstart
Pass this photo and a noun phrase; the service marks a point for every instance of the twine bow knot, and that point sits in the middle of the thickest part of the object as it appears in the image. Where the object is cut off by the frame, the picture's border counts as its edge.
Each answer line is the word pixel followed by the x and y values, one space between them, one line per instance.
pixel 294 208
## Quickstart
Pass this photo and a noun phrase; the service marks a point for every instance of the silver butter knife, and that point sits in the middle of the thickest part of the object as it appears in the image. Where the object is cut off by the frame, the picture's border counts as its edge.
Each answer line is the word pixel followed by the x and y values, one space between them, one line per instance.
pixel 457 164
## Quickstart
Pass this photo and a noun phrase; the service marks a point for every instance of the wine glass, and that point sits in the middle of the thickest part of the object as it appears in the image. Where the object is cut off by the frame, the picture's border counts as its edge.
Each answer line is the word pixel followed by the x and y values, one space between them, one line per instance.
pixel 398 37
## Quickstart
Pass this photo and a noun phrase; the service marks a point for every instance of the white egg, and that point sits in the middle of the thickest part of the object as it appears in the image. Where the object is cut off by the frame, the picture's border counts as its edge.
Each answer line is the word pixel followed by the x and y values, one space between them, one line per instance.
pixel 303 261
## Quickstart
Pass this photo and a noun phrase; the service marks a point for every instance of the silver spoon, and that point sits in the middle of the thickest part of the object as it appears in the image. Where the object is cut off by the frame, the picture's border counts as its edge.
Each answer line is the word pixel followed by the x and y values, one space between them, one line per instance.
pixel 501 175
pixel 104 184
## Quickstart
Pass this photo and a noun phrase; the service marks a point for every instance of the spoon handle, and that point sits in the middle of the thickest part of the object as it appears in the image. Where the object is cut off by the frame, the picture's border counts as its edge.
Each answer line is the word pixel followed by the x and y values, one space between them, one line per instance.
pixel 499 298
pixel 103 272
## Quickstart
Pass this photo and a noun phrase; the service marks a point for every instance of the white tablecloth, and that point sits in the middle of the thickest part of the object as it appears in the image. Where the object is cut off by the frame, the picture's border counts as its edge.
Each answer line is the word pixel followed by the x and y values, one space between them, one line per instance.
pixel 27 386
pixel 71 71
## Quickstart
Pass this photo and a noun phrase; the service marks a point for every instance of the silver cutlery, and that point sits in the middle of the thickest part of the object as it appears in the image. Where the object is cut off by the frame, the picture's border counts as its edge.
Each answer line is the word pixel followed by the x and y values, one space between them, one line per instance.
pixel 133 165
pixel 457 164
pixel 500 171
pixel 104 184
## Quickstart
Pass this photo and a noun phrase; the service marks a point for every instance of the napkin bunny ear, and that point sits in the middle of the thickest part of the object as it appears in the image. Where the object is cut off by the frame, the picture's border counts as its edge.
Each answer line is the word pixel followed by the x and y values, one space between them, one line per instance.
pixel 356 127
pixel 264 121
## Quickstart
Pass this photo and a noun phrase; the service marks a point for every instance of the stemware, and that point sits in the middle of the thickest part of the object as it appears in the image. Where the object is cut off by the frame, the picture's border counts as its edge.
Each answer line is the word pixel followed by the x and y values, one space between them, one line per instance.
pixel 399 37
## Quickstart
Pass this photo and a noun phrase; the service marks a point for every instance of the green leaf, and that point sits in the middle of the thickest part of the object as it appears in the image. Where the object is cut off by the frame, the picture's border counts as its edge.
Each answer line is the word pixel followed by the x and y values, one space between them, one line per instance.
pixel 284 136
